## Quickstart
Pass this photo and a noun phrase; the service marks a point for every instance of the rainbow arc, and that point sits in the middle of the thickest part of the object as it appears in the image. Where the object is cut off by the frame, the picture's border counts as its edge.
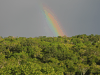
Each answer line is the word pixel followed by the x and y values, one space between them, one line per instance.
pixel 51 21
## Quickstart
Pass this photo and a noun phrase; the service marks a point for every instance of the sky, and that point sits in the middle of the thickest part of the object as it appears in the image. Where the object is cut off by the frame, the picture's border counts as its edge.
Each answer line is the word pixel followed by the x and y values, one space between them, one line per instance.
pixel 23 18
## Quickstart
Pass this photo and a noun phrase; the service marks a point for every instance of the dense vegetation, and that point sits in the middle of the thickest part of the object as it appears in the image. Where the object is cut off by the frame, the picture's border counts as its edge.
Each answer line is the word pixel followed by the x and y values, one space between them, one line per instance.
pixel 76 55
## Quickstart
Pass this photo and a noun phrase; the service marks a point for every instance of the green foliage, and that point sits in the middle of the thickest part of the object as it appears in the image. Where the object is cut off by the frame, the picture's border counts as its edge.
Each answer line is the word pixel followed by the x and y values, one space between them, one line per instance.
pixel 62 55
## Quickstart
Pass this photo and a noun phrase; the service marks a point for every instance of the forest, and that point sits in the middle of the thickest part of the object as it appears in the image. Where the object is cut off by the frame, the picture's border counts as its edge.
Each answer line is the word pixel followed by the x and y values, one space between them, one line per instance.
pixel 61 55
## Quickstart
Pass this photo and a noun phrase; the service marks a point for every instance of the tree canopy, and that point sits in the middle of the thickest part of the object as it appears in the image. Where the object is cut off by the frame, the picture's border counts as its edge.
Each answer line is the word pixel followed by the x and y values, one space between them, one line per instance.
pixel 76 55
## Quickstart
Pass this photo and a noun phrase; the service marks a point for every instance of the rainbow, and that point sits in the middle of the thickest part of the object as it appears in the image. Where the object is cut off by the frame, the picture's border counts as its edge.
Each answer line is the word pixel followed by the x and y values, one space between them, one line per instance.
pixel 51 21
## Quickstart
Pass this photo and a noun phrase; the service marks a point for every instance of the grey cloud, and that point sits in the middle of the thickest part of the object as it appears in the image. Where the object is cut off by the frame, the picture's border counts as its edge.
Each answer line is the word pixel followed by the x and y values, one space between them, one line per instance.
pixel 24 17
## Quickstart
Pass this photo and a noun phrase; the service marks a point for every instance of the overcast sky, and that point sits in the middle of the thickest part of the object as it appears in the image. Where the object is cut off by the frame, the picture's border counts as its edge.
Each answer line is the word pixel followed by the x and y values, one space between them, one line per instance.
pixel 23 18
